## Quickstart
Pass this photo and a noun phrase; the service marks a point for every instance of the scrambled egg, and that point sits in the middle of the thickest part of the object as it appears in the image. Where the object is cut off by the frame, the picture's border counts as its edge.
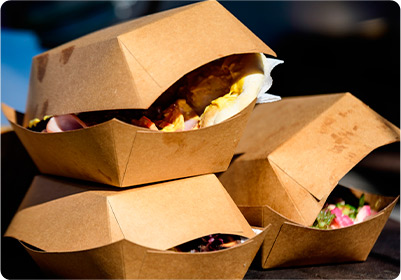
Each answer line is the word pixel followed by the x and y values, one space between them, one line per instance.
pixel 35 121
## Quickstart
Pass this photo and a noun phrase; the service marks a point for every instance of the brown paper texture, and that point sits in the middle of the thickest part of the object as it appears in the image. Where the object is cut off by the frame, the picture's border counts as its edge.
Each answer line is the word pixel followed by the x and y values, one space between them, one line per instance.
pixel 291 165
pixel 125 260
pixel 79 209
pixel 129 65
pixel 296 245
pixel 81 230
pixel 119 154
pixel 293 162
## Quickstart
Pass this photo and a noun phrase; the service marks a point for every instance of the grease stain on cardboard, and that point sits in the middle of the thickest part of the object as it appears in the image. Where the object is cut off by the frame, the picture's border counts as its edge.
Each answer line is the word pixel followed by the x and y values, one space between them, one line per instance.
pixel 44 108
pixel 327 123
pixel 66 54
pixel 41 66
pixel 344 114
pixel 338 148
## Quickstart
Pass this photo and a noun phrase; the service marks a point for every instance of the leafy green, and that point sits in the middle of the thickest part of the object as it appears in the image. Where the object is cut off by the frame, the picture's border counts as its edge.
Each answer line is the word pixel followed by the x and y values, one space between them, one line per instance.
pixel 324 219
pixel 362 200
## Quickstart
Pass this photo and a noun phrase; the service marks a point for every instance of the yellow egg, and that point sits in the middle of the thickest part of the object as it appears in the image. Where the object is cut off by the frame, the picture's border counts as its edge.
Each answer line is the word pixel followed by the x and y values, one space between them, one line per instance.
pixel 33 122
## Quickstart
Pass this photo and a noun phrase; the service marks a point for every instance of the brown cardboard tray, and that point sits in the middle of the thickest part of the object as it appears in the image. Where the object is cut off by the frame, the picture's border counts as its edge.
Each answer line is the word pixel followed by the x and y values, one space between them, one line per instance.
pixel 128 66
pixel 76 229
pixel 285 169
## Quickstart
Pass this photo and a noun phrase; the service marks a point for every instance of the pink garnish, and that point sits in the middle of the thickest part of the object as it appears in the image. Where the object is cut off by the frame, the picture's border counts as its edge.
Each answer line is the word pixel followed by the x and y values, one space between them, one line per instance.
pixel 64 123
pixel 340 220
pixel 363 213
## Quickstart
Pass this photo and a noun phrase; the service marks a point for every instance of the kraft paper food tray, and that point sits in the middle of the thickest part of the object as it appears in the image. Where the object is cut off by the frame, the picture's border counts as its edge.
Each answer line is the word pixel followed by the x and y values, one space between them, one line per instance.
pixel 293 162
pixel 290 244
pixel 120 154
pixel 290 165
pixel 76 229
pixel 129 66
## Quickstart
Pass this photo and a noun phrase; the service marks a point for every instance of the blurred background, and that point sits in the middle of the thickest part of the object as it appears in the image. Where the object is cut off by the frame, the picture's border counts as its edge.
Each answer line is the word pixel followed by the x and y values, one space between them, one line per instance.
pixel 327 47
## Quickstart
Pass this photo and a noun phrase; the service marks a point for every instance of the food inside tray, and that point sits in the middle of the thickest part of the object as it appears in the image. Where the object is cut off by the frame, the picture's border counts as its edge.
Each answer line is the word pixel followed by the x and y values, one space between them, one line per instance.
pixel 206 96
pixel 338 213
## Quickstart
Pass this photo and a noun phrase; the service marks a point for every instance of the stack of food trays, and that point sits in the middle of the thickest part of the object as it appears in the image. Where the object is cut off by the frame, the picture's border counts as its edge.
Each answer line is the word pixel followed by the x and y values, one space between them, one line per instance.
pixel 127 126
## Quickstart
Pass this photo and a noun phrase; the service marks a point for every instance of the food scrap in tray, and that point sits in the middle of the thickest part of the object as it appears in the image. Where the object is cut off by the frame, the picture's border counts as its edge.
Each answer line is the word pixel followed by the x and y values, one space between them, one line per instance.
pixel 209 243
pixel 338 213
pixel 206 96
